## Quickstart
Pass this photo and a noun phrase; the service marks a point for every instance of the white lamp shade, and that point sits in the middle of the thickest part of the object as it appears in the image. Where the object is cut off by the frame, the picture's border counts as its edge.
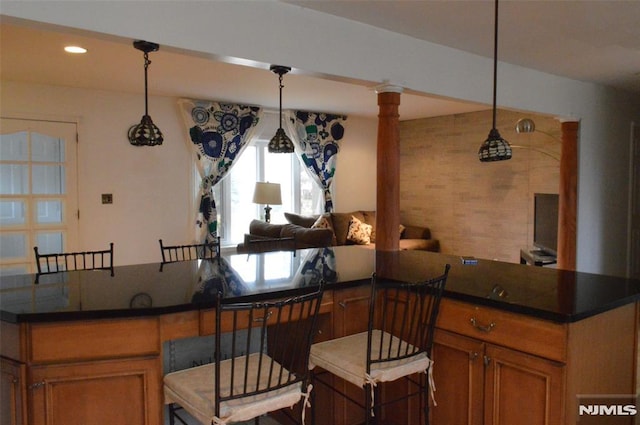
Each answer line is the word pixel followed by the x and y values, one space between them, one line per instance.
pixel 267 194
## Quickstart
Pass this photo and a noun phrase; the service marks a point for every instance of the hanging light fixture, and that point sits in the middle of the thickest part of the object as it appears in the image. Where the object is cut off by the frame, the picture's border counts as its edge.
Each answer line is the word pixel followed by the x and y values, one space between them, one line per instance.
pixel 146 133
pixel 495 148
pixel 280 143
pixel 525 125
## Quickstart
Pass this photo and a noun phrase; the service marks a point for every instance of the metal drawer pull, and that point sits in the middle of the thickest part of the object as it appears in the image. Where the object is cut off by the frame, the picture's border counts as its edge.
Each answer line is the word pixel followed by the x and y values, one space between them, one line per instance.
pixel 482 328
pixel 265 318
pixel 37 385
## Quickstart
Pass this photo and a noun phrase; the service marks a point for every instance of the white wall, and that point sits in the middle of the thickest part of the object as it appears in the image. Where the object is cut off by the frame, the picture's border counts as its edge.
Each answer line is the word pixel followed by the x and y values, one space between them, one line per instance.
pixel 274 32
pixel 151 186
pixel 355 178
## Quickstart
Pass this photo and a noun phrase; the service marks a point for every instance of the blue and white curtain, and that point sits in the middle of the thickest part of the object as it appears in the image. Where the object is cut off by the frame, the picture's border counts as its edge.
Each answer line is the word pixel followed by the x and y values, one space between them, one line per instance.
pixel 319 264
pixel 219 133
pixel 316 137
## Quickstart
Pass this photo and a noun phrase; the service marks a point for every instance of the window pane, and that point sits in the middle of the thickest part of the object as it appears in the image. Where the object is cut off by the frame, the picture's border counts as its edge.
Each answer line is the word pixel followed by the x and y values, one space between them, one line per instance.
pixel 14 179
pixel 13 245
pixel 49 211
pixel 245 267
pixel 49 243
pixel 277 169
pixel 243 182
pixel 13 147
pixel 48 180
pixel 46 148
pixel 284 267
pixel 311 196
pixel 12 212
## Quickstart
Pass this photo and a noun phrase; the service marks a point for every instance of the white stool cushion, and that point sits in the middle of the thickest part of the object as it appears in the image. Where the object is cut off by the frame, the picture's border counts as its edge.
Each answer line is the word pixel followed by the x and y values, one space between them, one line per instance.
pixel 193 389
pixel 346 358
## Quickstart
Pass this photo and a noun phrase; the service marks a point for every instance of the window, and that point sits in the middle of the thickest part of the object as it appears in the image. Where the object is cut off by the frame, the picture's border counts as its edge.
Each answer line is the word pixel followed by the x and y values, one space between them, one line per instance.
pixel 38 205
pixel 234 194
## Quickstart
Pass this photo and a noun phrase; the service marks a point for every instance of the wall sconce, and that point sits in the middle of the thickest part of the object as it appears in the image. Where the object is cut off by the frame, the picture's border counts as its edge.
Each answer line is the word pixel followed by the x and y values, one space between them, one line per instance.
pixel 495 148
pixel 267 194
pixel 280 143
pixel 146 133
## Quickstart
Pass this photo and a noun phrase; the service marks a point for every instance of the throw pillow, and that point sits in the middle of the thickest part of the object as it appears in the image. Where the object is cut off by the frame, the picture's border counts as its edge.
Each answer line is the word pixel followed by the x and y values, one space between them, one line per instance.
pixel 322 223
pixel 359 232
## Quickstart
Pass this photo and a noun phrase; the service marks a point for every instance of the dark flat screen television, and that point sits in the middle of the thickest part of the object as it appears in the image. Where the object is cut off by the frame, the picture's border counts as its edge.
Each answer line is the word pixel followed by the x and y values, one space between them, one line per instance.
pixel 545 223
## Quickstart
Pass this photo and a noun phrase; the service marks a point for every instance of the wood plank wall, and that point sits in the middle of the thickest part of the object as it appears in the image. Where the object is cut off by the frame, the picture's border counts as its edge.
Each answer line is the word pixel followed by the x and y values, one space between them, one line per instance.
pixel 474 208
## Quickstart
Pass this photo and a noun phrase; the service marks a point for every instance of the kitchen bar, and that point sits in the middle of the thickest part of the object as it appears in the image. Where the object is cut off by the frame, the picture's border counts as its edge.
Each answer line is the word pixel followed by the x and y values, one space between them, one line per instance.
pixel 100 338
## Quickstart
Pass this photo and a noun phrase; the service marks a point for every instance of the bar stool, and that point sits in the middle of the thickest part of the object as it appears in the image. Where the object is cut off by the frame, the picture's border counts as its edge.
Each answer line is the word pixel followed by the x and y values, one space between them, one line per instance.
pixel 397 344
pixel 266 365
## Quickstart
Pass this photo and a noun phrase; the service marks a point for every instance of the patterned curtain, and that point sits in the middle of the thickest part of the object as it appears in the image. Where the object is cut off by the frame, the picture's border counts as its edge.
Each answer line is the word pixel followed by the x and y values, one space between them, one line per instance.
pixel 316 138
pixel 219 133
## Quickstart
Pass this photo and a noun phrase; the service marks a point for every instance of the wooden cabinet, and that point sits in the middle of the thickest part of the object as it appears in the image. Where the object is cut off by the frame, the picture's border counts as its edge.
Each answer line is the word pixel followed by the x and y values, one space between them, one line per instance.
pixel 479 383
pixel 82 372
pixel 517 382
pixel 110 392
pixel 12 393
pixel 459 377
pixel 493 367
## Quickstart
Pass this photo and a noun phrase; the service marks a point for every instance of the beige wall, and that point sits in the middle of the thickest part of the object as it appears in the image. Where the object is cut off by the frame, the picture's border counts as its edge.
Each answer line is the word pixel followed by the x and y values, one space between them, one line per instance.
pixel 474 208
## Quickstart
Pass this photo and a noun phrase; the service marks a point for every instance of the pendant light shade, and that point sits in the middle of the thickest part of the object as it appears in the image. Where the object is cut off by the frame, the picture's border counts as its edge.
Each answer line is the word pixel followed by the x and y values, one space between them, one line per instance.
pixel 525 125
pixel 280 143
pixel 495 148
pixel 146 133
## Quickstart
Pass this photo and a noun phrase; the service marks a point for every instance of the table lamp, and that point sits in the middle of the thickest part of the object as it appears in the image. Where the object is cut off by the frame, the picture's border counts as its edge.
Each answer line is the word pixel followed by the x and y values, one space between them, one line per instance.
pixel 267 194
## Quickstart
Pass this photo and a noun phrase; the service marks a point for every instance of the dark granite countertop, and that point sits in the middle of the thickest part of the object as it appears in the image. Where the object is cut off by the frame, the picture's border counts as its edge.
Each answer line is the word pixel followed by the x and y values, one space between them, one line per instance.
pixel 155 289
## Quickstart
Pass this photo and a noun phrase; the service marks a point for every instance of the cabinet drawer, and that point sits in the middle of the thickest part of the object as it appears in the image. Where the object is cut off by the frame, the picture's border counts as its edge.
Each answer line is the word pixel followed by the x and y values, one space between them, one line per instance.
pixel 517 331
pixel 93 340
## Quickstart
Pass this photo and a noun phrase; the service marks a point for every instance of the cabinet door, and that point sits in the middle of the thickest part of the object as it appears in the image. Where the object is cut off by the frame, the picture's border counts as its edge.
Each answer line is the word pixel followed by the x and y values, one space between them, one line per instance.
pixel 12 393
pixel 522 389
pixel 110 392
pixel 458 373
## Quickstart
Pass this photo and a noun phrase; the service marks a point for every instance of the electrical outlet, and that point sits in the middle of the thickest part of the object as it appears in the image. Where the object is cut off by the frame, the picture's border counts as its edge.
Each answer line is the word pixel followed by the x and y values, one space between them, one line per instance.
pixel 107 198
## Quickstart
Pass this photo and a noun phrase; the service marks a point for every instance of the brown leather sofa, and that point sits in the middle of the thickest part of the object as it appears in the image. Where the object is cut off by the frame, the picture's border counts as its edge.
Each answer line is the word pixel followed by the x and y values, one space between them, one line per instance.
pixel 300 233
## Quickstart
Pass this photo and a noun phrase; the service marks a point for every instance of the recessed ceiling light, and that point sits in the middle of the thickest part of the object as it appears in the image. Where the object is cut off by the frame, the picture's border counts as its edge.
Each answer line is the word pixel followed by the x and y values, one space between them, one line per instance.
pixel 75 49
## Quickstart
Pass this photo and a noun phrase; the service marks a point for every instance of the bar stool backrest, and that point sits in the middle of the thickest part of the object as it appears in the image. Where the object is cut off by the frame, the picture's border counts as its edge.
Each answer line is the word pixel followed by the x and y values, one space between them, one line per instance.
pixel 69 261
pixel 406 311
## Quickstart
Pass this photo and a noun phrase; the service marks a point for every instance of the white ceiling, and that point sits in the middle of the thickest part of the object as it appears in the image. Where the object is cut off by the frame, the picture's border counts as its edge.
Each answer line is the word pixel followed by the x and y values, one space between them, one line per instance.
pixel 588 40
pixel 596 41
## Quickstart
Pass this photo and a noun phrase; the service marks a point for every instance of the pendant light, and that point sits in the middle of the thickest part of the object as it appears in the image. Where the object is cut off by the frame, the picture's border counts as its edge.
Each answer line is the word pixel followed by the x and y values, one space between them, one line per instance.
pixel 280 143
pixel 146 133
pixel 495 148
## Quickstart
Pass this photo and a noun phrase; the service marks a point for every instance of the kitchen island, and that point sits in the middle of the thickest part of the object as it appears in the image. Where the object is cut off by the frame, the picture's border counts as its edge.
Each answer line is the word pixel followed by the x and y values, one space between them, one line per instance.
pixel 101 341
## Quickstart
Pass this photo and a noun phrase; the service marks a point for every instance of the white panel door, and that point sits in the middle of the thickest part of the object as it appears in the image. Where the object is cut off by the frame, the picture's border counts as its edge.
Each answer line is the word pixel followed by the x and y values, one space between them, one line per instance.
pixel 38 191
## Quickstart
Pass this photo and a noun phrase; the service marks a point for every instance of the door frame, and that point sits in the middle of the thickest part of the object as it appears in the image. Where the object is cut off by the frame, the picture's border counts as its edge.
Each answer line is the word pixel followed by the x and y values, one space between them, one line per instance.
pixel 633 243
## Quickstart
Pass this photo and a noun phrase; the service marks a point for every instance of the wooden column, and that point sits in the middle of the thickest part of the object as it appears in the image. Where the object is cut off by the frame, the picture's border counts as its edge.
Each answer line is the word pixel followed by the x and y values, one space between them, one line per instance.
pixel 388 169
pixel 568 199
